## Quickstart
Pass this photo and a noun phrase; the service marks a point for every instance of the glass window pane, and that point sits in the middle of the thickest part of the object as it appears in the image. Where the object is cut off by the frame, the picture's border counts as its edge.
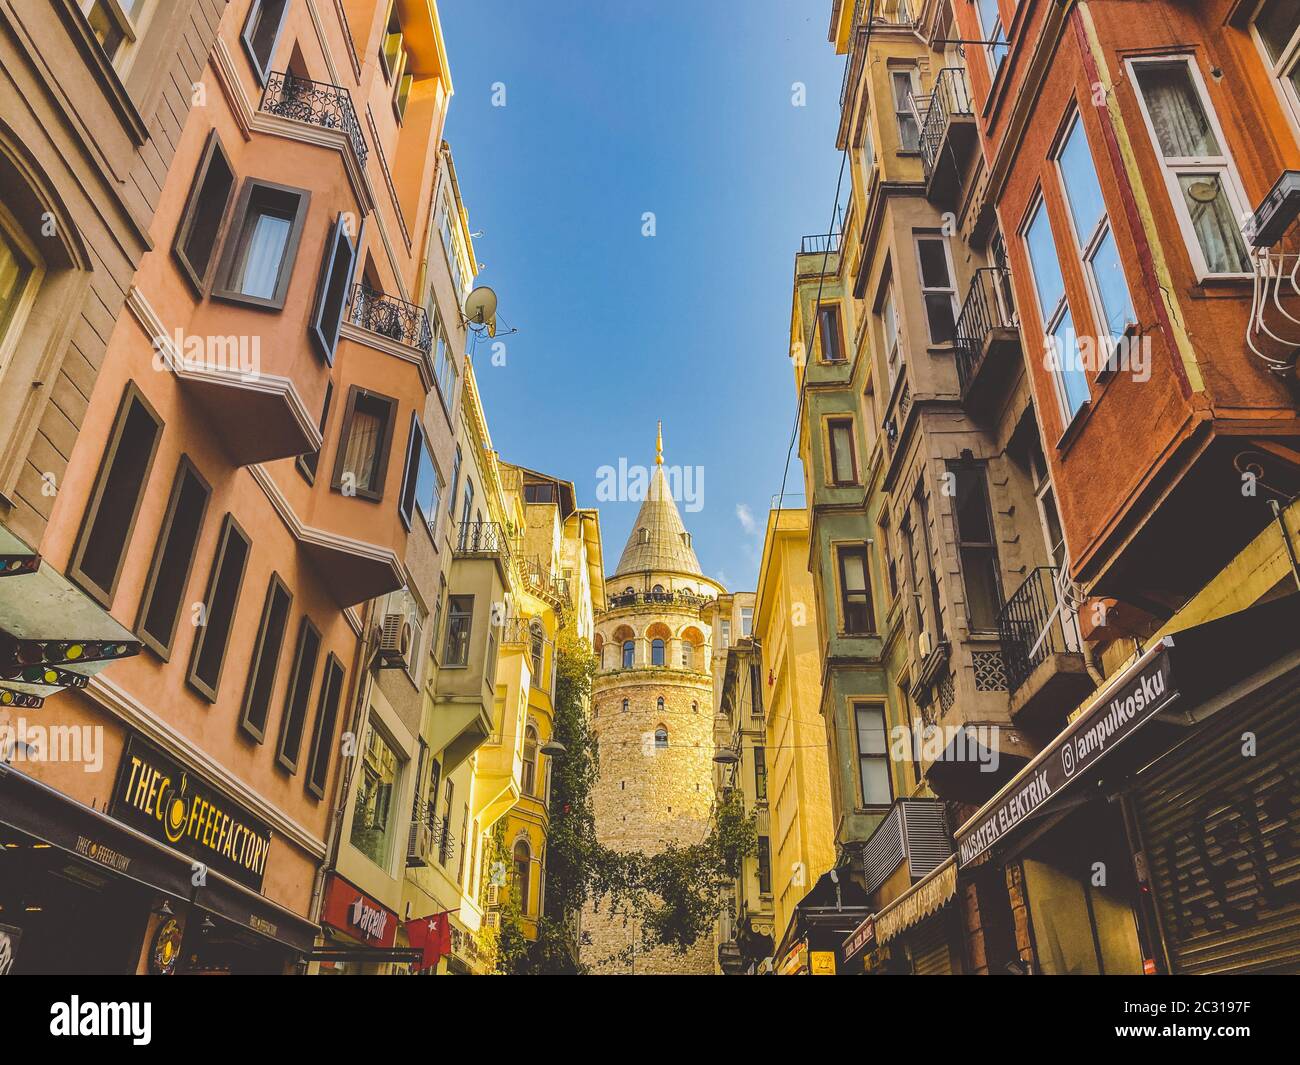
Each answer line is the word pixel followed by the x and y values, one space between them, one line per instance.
pixel 1216 229
pixel 1074 383
pixel 1082 189
pixel 855 578
pixel 972 509
pixel 14 271
pixel 1181 124
pixel 265 238
pixel 871 730
pixel 875 782
pixel 1277 23
pixel 1042 257
pixel 941 317
pixel 979 567
pixel 1116 305
pixel 934 263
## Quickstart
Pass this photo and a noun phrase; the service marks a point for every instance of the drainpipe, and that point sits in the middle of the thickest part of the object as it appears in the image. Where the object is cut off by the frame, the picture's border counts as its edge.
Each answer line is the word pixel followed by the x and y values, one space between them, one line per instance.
pixel 1286 539
pixel 366 650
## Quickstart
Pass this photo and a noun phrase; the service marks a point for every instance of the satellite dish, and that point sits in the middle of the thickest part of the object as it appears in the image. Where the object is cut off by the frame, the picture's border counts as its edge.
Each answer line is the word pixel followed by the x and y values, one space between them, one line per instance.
pixel 481 309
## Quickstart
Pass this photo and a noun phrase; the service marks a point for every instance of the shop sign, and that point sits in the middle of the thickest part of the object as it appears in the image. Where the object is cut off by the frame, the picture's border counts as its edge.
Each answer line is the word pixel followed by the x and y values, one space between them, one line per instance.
pixel 160 798
pixel 102 854
pixel 860 937
pixel 1108 723
pixel 351 910
pixel 822 962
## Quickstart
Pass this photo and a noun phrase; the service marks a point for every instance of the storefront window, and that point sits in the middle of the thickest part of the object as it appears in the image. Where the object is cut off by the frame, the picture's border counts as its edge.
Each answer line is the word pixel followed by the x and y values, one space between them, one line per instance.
pixel 1083 924
pixel 372 817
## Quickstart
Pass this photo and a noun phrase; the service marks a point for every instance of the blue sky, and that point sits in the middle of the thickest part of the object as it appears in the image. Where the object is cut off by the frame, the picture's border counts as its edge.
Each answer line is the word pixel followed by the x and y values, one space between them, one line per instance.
pixel 613 110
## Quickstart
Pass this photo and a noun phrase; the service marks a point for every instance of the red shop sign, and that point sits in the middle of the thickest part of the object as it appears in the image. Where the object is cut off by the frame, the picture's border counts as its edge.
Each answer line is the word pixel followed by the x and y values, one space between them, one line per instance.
pixel 351 910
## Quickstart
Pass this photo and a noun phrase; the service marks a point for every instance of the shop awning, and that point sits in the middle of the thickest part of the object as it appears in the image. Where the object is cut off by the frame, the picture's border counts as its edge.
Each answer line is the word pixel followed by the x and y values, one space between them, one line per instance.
pixel 918 902
pixel 52 634
pixel 1173 684
pixel 33 807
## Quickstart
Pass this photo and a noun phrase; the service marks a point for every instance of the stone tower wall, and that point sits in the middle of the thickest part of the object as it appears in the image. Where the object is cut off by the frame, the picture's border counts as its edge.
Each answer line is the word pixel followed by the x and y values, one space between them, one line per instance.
pixel 647 797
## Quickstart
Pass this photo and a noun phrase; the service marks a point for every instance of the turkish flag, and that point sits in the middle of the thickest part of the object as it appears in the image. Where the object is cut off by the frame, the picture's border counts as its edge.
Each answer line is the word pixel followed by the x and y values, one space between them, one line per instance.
pixel 432 935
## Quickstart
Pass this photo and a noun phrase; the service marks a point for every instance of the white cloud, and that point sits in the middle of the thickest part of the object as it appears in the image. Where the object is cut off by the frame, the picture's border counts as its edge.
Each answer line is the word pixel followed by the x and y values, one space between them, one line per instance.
pixel 746 518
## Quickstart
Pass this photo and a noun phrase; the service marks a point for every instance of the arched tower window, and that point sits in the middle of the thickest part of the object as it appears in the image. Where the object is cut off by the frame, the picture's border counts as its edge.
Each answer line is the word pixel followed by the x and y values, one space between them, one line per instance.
pixel 661 738
pixel 523 867
pixel 629 653
pixel 644 536
pixel 660 704
pixel 626 706
pixel 688 655
pixel 656 652
pixel 530 761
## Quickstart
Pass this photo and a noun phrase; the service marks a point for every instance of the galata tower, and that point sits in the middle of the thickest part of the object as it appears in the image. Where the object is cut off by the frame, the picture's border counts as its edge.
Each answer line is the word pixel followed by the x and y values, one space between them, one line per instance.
pixel 652 713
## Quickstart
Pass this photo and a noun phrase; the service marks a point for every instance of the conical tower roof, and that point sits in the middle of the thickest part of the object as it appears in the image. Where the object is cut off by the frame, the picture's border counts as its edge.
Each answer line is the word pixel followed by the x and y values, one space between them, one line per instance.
pixel 659 540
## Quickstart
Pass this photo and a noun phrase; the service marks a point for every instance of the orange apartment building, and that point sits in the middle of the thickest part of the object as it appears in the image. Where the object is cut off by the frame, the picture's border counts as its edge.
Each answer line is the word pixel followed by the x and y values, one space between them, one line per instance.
pixel 1143 163
pixel 241 489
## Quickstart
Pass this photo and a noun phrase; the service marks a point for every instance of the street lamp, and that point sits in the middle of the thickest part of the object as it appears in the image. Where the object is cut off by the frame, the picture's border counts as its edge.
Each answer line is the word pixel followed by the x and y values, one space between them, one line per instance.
pixel 552 748
pixel 726 756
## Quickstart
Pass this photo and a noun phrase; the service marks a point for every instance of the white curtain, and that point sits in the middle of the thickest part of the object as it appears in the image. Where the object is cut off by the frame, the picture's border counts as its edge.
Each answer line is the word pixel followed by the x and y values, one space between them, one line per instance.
pixel 1181 125
pixel 363 445
pixel 264 251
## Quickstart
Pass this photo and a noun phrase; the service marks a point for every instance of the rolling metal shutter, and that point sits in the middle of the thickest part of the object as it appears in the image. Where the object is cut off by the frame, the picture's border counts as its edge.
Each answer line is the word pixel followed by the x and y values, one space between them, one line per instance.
pixel 928 947
pixel 1221 828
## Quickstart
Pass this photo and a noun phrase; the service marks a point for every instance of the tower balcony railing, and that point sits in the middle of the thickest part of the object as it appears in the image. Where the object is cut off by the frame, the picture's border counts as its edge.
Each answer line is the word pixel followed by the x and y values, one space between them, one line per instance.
pixel 619 600
pixel 388 316
pixel 318 103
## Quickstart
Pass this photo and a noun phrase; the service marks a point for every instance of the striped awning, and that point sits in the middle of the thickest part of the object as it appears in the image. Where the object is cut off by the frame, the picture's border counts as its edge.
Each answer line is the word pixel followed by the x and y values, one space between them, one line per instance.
pixel 918 902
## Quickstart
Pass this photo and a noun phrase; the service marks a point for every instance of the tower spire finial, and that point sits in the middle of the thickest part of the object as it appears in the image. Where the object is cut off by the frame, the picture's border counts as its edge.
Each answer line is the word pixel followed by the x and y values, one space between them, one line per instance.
pixel 659 446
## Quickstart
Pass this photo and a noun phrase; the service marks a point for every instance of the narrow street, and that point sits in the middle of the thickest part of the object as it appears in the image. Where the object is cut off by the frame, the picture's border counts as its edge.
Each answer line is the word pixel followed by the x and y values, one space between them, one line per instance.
pixel 651 489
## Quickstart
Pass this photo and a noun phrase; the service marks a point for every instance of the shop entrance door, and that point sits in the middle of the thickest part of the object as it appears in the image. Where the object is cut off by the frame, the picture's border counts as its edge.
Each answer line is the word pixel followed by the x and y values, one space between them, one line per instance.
pixel 76 918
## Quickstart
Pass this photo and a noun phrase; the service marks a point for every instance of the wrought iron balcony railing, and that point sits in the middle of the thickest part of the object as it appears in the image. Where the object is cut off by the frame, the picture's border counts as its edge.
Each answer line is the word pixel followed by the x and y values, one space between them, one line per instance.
pixel 387 316
pixel 542 581
pixel 482 538
pixel 949 99
pixel 317 103
pixel 1037 622
pixel 987 307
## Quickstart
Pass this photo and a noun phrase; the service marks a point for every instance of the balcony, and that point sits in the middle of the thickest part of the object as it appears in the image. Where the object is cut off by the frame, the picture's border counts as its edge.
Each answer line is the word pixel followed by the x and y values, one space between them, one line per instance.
pixel 315 103
pixel 948 134
pixel 390 317
pixel 623 600
pixel 987 349
pixel 541 581
pixel 820 244
pixel 1047 674
pixel 482 539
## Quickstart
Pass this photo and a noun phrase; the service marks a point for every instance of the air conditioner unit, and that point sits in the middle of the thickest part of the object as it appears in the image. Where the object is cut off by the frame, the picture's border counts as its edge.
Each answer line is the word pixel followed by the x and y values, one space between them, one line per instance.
pixel 419 844
pixel 924 645
pixel 395 641
pixel 492 920
pixel 492 896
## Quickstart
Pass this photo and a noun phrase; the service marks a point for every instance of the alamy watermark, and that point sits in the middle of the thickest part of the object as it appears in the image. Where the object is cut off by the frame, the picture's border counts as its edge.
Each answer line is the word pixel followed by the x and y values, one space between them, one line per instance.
pixel 628 483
